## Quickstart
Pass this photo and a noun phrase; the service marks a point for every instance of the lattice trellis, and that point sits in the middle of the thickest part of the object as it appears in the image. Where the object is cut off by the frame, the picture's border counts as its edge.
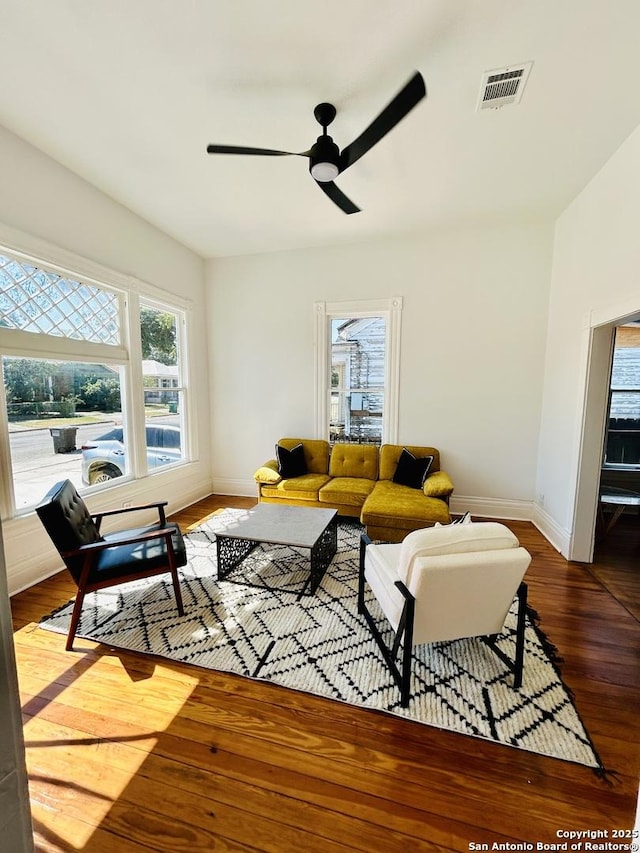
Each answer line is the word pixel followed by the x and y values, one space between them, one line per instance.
pixel 35 300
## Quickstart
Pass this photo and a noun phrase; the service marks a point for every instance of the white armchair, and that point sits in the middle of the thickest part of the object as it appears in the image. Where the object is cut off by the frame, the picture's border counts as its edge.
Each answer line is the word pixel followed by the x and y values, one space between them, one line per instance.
pixel 445 583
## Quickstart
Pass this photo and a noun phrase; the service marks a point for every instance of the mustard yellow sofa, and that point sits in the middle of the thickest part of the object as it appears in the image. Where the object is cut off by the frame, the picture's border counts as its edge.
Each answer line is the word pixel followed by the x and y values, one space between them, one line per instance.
pixel 358 480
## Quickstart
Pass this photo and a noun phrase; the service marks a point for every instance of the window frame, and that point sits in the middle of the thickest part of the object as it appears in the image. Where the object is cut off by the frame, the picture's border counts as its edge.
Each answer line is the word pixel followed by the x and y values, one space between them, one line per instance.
pixel 126 355
pixel 324 314
pixel 182 387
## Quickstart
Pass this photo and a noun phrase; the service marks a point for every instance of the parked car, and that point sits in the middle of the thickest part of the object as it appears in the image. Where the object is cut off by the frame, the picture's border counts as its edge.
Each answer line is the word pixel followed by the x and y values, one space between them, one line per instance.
pixel 103 458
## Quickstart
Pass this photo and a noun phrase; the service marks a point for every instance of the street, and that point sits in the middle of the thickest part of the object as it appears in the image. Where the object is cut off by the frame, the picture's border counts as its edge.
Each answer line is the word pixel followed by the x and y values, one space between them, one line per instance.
pixel 32 448
pixel 36 467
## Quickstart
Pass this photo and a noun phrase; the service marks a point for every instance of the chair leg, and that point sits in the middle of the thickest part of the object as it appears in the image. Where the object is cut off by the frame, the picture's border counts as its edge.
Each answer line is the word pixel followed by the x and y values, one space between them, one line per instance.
pixel 407 647
pixel 364 541
pixel 520 629
pixel 75 618
pixel 176 589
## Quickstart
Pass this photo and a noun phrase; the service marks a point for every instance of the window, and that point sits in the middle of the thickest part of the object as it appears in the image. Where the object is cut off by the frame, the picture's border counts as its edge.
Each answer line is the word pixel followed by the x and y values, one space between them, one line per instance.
pixel 622 446
pixel 53 409
pixel 357 370
pixel 42 302
pixel 162 378
pixel 357 379
pixel 72 403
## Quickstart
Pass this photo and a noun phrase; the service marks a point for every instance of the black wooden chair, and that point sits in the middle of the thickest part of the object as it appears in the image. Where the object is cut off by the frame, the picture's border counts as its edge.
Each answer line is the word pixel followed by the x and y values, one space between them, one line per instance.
pixel 97 560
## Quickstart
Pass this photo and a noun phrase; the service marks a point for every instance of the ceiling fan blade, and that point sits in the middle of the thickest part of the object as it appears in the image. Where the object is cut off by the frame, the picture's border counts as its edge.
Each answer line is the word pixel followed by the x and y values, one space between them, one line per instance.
pixel 264 152
pixel 406 99
pixel 338 197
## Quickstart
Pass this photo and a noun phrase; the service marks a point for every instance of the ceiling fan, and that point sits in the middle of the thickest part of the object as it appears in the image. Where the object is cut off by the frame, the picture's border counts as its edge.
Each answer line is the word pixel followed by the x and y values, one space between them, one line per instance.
pixel 326 161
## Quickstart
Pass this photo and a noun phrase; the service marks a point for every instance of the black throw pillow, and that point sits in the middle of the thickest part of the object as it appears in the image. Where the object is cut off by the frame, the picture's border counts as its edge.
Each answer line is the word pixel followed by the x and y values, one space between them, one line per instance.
pixel 411 470
pixel 291 463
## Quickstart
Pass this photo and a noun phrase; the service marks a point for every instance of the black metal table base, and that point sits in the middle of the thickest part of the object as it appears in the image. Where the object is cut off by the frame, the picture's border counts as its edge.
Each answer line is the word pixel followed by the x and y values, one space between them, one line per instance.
pixel 232 551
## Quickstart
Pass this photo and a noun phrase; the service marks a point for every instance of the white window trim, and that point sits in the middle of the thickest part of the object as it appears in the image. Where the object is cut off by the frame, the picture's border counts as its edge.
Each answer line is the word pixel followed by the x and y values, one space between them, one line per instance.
pixel 189 447
pixel 391 310
pixel 15 342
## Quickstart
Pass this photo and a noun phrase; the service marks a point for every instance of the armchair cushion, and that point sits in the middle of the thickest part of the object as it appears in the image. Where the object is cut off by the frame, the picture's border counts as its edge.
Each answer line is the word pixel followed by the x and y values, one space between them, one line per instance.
pixel 452 539
pixel 68 522
pixel 138 556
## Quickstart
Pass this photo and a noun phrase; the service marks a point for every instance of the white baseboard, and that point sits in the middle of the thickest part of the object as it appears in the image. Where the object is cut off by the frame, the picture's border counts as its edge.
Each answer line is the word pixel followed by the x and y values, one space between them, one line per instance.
pixel 515 511
pixel 238 488
pixel 551 530
pixel 492 507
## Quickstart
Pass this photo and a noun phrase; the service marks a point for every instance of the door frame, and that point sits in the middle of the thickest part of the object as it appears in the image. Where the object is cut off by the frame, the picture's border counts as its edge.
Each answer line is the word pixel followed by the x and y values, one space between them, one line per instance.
pixel 601 334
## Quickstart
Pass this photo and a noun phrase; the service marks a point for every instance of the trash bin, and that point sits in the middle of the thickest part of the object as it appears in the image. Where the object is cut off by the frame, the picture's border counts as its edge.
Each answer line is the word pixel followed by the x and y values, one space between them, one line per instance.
pixel 173 408
pixel 64 439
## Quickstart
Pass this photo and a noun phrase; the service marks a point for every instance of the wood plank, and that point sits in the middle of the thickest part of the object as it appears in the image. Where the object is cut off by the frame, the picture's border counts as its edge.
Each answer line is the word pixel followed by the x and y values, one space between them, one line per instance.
pixel 136 753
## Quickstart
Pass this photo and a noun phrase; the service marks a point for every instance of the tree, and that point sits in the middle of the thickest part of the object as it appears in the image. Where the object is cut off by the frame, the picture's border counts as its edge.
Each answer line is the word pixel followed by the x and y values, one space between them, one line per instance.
pixel 100 394
pixel 27 380
pixel 158 332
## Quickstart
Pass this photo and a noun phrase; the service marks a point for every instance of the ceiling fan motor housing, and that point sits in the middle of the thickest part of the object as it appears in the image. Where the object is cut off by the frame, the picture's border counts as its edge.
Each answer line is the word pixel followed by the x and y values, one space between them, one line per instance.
pixel 324 159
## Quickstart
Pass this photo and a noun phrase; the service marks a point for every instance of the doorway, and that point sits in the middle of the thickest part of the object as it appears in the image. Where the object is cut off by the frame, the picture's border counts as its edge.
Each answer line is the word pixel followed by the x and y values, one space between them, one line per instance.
pixel 596 430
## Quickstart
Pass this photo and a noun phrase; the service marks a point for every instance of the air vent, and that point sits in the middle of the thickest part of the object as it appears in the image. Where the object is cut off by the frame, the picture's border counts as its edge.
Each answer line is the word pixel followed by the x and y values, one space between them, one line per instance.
pixel 503 86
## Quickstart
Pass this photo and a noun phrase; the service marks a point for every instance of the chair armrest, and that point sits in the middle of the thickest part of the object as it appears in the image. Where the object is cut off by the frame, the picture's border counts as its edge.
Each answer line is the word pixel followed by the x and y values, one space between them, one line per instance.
pixel 268 473
pixel 365 540
pixel 438 485
pixel 160 505
pixel 103 544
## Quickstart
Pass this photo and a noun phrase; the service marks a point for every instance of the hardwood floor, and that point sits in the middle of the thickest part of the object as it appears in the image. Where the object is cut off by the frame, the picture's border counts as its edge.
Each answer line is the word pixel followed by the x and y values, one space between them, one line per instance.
pixel 129 753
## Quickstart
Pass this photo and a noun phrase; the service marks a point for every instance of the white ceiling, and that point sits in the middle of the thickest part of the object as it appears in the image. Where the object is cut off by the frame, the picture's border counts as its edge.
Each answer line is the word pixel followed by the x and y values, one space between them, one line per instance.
pixel 127 94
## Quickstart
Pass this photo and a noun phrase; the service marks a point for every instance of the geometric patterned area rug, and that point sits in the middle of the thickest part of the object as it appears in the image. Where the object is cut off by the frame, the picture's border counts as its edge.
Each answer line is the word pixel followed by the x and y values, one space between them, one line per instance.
pixel 319 644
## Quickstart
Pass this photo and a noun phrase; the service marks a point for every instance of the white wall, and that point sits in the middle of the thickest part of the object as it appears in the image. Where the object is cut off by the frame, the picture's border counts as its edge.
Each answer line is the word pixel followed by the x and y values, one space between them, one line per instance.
pixel 45 202
pixel 595 280
pixel 472 352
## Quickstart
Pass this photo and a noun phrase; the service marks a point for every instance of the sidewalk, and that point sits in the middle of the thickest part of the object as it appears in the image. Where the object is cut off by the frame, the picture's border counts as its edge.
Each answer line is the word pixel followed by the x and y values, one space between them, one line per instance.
pixel 80 420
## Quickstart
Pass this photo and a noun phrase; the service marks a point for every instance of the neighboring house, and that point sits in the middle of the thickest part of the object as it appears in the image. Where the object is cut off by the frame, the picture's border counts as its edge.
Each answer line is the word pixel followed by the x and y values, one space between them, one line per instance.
pixel 163 377
pixel 357 380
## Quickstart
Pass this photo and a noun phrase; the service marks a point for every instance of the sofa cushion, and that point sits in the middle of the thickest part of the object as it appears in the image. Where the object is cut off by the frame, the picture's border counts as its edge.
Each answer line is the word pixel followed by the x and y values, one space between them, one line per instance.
pixel 412 470
pixel 304 488
pixel 438 485
pixel 291 463
pixel 316 452
pixel 390 454
pixel 349 491
pixel 393 505
pixel 354 460
pixel 268 473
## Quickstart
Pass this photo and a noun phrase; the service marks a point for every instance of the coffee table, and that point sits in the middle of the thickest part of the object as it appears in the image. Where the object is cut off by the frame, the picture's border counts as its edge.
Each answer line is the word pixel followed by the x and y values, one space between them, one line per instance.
pixel 299 527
